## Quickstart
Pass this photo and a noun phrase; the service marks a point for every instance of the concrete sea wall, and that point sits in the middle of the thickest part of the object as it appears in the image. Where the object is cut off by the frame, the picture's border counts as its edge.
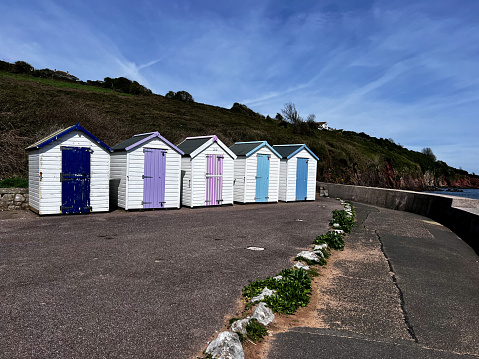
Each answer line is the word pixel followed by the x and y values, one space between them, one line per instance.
pixel 459 214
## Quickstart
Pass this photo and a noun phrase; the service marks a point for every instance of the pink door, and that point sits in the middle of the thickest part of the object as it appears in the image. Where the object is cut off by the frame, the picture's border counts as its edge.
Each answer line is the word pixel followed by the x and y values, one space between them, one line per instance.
pixel 214 180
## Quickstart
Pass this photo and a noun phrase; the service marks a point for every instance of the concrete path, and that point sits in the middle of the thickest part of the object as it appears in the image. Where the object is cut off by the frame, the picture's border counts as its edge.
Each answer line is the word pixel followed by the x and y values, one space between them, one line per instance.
pixel 405 287
pixel 154 284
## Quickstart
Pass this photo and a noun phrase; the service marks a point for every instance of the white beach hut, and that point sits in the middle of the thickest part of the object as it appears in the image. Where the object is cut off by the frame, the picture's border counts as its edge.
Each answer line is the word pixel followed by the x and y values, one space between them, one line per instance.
pixel 207 169
pixel 256 172
pixel 297 175
pixel 69 173
pixel 145 173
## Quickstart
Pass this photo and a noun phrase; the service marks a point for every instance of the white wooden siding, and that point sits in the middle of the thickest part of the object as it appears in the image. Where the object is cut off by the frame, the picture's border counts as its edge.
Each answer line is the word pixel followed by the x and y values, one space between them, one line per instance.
pixel 136 165
pixel 239 179
pixel 186 182
pixel 194 192
pixel 50 159
pixel 118 181
pixel 34 180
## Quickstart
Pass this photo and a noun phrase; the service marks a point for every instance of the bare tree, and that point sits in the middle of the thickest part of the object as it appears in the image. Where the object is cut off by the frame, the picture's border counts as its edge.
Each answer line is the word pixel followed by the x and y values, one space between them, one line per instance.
pixel 428 152
pixel 291 114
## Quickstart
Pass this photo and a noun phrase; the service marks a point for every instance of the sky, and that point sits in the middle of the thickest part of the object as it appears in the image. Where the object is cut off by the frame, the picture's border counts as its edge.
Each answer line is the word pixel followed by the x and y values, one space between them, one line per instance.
pixel 406 70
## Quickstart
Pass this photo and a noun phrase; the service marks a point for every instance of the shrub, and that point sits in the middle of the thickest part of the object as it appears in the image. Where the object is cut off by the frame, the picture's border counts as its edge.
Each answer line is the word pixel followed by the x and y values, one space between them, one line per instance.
pixel 255 330
pixel 14 182
pixel 333 239
pixel 292 291
pixel 345 221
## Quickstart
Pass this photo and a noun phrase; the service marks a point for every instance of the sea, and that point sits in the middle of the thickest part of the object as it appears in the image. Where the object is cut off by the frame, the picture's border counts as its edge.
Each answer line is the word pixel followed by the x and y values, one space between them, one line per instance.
pixel 469 193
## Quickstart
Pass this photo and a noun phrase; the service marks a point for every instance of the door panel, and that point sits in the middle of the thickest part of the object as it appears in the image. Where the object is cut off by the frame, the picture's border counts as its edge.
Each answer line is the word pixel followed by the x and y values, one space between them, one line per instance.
pixel 262 178
pixel 302 179
pixel 154 178
pixel 214 180
pixel 75 178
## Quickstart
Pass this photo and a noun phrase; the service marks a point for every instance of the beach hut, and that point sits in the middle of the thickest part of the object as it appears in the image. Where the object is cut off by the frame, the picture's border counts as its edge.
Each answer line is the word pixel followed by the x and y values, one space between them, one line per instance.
pixel 145 173
pixel 207 169
pixel 297 174
pixel 256 172
pixel 69 173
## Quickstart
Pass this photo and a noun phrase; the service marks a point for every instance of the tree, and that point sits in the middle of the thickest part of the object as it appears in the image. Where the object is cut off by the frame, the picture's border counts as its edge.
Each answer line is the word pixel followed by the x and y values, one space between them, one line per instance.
pixel 22 67
pixel 180 95
pixel 428 152
pixel 291 114
pixel 311 118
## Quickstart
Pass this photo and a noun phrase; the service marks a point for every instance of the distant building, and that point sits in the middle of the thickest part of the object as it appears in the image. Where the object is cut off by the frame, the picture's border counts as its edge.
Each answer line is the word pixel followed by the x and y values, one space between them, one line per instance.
pixel 322 126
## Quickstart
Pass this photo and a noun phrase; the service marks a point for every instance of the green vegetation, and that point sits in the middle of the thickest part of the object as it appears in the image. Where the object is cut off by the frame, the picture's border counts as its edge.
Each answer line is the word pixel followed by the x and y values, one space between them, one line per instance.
pixel 255 331
pixel 292 291
pixel 345 221
pixel 333 239
pixel 310 262
pixel 34 107
pixel 14 183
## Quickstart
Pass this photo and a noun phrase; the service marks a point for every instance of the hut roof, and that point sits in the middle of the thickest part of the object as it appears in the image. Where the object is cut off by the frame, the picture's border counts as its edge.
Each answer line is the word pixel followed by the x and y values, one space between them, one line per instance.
pixel 192 146
pixel 288 151
pixel 139 139
pixel 249 148
pixel 60 133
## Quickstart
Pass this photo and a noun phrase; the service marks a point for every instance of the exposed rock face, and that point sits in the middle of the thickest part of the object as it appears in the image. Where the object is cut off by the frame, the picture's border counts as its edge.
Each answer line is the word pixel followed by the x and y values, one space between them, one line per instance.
pixel 226 346
pixel 240 325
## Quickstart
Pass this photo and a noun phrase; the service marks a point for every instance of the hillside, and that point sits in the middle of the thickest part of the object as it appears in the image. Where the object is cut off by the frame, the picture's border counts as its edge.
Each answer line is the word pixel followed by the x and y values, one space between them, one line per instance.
pixel 31 108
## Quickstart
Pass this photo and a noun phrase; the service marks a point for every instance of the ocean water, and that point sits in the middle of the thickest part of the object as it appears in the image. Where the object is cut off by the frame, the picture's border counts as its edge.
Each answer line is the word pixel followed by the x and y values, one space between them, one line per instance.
pixel 469 193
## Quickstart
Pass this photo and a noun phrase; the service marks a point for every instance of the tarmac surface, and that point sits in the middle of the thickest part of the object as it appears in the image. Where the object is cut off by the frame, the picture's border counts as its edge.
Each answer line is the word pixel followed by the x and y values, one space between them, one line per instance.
pixel 405 287
pixel 153 284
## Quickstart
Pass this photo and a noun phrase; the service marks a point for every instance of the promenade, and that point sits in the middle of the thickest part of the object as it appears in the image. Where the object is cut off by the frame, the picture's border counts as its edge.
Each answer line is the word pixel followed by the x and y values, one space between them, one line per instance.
pixel 404 287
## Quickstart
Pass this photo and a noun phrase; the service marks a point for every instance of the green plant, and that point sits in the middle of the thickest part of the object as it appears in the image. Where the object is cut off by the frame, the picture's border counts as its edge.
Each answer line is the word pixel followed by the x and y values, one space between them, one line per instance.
pixel 333 239
pixel 345 221
pixel 14 182
pixel 292 291
pixel 255 330
pixel 310 262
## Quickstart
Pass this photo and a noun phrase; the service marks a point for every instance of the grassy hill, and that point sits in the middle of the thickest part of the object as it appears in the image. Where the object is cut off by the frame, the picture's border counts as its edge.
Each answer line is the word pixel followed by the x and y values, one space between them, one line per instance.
pixel 31 108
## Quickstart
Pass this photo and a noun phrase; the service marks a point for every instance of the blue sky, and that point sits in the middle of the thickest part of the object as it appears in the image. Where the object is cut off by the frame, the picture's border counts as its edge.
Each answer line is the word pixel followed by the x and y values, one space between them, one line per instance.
pixel 406 70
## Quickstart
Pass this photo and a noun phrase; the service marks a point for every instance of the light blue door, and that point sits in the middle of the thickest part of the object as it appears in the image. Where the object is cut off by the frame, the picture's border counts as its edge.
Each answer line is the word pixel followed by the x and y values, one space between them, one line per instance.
pixel 262 178
pixel 302 179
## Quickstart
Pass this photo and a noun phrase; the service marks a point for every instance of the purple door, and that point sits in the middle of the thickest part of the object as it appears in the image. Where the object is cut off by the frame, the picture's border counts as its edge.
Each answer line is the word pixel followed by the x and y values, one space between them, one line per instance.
pixel 154 178
pixel 214 180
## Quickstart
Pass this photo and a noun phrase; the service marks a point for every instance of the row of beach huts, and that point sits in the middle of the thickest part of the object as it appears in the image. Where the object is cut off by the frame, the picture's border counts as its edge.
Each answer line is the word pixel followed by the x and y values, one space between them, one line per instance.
pixel 72 171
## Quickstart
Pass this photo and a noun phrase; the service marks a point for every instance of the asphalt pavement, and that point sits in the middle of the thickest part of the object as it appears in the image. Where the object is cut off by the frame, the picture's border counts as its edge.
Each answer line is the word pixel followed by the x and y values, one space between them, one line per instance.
pixel 405 287
pixel 153 284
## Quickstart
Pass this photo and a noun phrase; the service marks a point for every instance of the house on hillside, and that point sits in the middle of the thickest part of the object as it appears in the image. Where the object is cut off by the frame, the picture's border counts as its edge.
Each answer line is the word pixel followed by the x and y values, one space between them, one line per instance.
pixel 69 172
pixel 322 126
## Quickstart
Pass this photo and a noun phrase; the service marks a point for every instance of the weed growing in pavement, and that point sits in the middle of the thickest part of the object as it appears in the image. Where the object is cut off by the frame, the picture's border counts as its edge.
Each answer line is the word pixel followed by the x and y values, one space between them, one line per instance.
pixel 334 240
pixel 310 262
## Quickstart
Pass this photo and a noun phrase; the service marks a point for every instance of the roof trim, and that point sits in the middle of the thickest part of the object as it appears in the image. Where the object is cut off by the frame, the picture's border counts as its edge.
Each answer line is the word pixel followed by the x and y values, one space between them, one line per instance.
pixel 153 135
pixel 261 145
pixel 76 127
pixel 303 146
pixel 212 139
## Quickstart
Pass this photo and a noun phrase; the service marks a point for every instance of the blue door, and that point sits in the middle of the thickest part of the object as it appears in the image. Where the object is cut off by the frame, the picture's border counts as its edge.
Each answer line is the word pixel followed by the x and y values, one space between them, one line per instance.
pixel 75 178
pixel 262 178
pixel 302 179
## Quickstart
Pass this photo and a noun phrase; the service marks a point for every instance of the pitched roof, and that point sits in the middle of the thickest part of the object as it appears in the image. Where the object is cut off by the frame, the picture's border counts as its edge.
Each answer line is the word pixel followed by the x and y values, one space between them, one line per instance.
pixel 139 139
pixel 249 148
pixel 288 151
pixel 193 146
pixel 60 133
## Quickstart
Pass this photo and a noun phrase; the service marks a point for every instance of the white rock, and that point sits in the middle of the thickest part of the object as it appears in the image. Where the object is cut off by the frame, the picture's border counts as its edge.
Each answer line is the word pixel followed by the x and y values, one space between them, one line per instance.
pixel 319 253
pixel 278 277
pixel 309 255
pixel 300 265
pixel 336 225
pixel 255 248
pixel 240 325
pixel 320 246
pixel 265 293
pixel 338 231
pixel 226 346
pixel 263 314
